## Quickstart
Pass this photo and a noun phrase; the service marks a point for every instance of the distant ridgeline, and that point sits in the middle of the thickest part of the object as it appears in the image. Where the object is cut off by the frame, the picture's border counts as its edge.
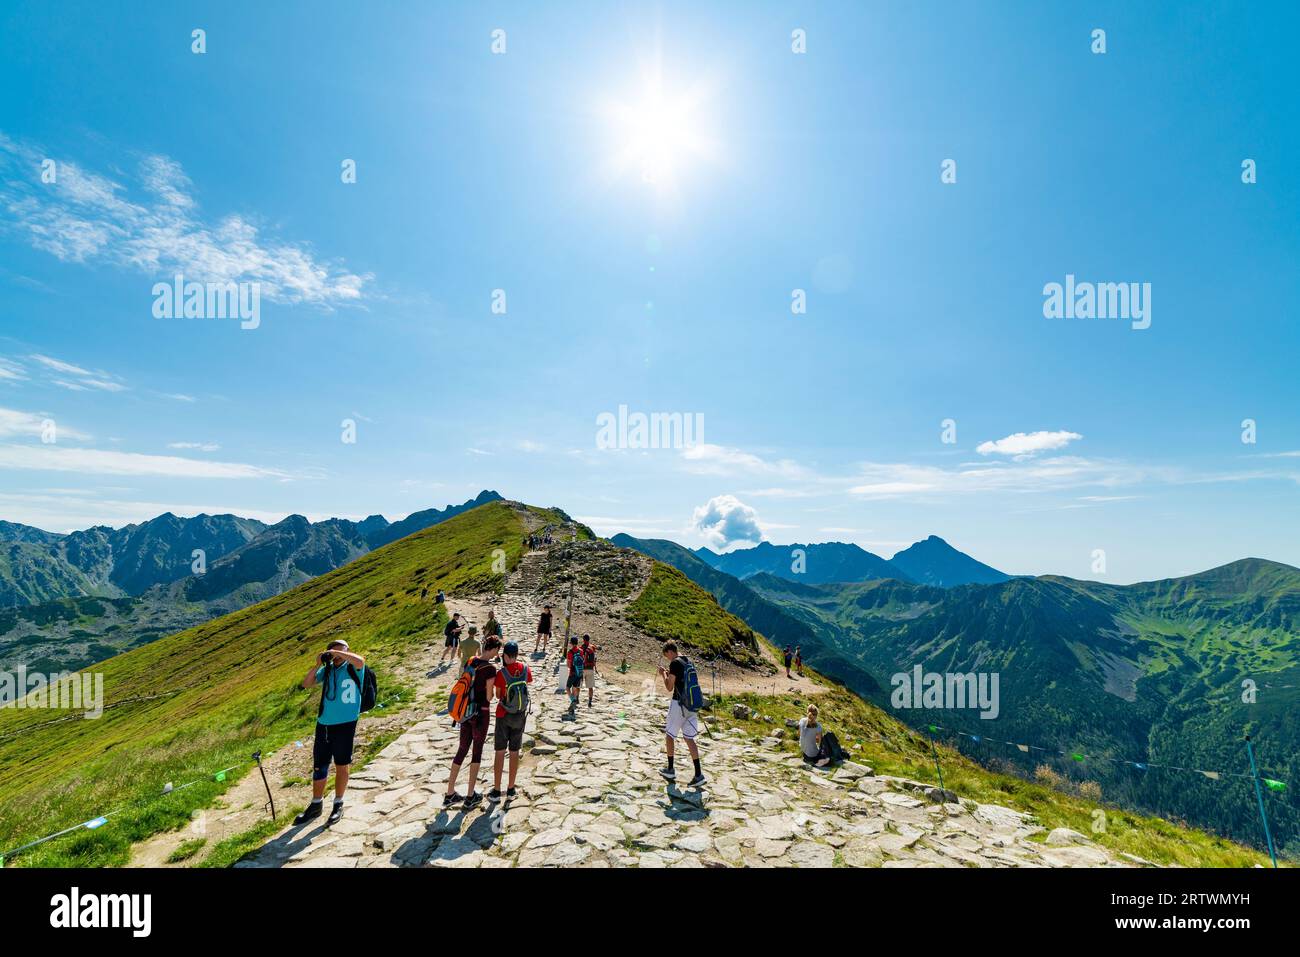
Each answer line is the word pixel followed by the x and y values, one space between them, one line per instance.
pixel 67 601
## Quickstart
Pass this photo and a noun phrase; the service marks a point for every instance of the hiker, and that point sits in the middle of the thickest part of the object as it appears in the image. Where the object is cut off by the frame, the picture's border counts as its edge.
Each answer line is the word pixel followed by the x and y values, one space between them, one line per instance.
pixel 512 683
pixel 788 658
pixel 588 652
pixel 440 598
pixel 819 746
pixel 474 727
pixel 469 648
pixel 543 630
pixel 339 672
pixel 577 665
pixel 798 660
pixel 493 627
pixel 451 638
pixel 683 721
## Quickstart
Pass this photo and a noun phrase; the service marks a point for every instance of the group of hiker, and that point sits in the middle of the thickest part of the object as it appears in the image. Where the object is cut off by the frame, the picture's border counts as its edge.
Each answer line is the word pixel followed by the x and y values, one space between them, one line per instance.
pixel 794 657
pixel 494 682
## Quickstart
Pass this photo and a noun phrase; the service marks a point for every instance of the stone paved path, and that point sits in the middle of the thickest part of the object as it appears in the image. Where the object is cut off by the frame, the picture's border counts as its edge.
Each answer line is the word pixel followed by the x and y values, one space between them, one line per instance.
pixel 591 796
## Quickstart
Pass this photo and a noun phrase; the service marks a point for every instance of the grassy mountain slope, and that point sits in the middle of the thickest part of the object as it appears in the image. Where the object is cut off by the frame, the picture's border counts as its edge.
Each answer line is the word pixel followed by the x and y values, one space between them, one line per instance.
pixel 768 618
pixel 207 697
pixel 1149 673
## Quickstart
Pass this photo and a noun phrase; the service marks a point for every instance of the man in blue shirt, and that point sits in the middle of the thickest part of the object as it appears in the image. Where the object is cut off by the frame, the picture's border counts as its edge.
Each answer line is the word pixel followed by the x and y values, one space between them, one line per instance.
pixel 339 672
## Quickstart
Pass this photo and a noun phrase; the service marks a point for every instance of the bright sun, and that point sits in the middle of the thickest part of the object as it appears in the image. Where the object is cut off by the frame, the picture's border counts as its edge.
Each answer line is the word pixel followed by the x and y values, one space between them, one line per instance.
pixel 658 134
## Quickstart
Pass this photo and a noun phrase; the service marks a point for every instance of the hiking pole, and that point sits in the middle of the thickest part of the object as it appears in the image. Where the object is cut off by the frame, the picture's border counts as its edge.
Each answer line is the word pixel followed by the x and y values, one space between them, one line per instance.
pixel 934 751
pixel 270 799
pixel 1259 796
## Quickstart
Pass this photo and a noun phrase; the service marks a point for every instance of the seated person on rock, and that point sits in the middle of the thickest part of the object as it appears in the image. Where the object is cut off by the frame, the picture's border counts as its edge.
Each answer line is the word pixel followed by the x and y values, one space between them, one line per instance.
pixel 819 746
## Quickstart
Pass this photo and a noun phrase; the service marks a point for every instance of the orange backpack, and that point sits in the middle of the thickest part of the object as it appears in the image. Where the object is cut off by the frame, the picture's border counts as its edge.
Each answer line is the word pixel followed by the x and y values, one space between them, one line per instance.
pixel 461 700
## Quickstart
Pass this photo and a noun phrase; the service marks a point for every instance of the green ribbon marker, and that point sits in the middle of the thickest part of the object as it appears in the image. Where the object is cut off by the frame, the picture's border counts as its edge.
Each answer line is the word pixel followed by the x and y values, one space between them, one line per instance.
pixel 219 776
pixel 1077 757
pixel 1274 785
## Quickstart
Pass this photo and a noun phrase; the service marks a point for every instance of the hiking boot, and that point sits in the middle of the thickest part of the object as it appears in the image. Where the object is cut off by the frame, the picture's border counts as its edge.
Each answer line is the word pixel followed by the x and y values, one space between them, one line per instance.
pixel 313 811
pixel 473 801
pixel 494 795
pixel 697 780
pixel 668 774
pixel 452 798
pixel 336 815
pixel 511 793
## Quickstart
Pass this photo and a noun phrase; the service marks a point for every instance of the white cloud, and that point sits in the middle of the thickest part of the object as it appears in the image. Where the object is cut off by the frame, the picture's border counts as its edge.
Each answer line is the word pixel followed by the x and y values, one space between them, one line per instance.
pixel 725 520
pixel 1025 444
pixel 85 217
pixel 706 459
pixel 199 446
pixel 11 371
pixel 77 379
pixel 56 458
pixel 14 422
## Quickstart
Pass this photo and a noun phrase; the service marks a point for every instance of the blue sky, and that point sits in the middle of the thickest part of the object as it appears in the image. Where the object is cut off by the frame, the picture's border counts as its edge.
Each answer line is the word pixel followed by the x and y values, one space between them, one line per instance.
pixel 648 235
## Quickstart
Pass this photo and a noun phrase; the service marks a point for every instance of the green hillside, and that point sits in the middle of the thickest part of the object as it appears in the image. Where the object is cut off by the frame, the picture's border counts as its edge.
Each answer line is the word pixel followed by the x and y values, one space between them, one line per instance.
pixel 673 608
pixel 1150 673
pixel 206 698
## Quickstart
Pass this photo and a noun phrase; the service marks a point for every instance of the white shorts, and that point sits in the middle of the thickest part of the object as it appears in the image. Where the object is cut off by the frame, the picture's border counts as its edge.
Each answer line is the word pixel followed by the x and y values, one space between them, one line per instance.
pixel 589 677
pixel 681 723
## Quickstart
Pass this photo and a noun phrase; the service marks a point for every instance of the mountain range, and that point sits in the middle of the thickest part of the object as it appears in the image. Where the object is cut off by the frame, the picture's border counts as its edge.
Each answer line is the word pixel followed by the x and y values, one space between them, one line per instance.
pixel 67 601
pixel 932 561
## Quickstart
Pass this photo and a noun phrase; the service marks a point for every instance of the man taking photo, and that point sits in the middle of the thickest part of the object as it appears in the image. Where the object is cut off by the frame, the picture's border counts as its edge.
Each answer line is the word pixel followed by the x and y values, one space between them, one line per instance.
pixel 339 672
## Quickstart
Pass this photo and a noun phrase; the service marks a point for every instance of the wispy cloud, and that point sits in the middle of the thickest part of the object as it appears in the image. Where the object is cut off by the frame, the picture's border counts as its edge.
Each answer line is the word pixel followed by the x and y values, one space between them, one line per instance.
pixel 15 423
pixel 54 458
pixel 706 459
pixel 86 217
pixel 78 379
pixel 11 371
pixel 197 446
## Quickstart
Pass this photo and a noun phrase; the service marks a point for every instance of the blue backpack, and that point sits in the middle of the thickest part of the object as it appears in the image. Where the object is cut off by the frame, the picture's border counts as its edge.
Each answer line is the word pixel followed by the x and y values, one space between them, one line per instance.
pixel 692 696
pixel 578 663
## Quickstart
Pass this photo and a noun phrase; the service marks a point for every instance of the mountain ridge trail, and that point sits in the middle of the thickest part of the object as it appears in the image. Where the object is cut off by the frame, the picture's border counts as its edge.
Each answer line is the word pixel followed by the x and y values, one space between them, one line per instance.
pixel 590 795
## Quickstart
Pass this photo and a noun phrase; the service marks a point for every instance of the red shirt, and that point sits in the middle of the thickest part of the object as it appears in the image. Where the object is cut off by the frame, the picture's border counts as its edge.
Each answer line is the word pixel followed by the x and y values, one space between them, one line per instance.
pixel 515 670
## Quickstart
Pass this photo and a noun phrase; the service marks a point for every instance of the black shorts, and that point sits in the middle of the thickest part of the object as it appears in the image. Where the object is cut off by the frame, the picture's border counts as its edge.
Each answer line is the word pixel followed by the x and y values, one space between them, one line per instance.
pixel 510 731
pixel 452 641
pixel 333 743
pixel 575 681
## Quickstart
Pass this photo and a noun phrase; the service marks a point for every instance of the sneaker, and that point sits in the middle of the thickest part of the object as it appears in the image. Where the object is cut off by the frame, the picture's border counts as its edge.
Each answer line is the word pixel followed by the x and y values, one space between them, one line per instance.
pixel 473 801
pixel 697 780
pixel 452 798
pixel 336 815
pixel 512 793
pixel 494 795
pixel 313 811
pixel 669 774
